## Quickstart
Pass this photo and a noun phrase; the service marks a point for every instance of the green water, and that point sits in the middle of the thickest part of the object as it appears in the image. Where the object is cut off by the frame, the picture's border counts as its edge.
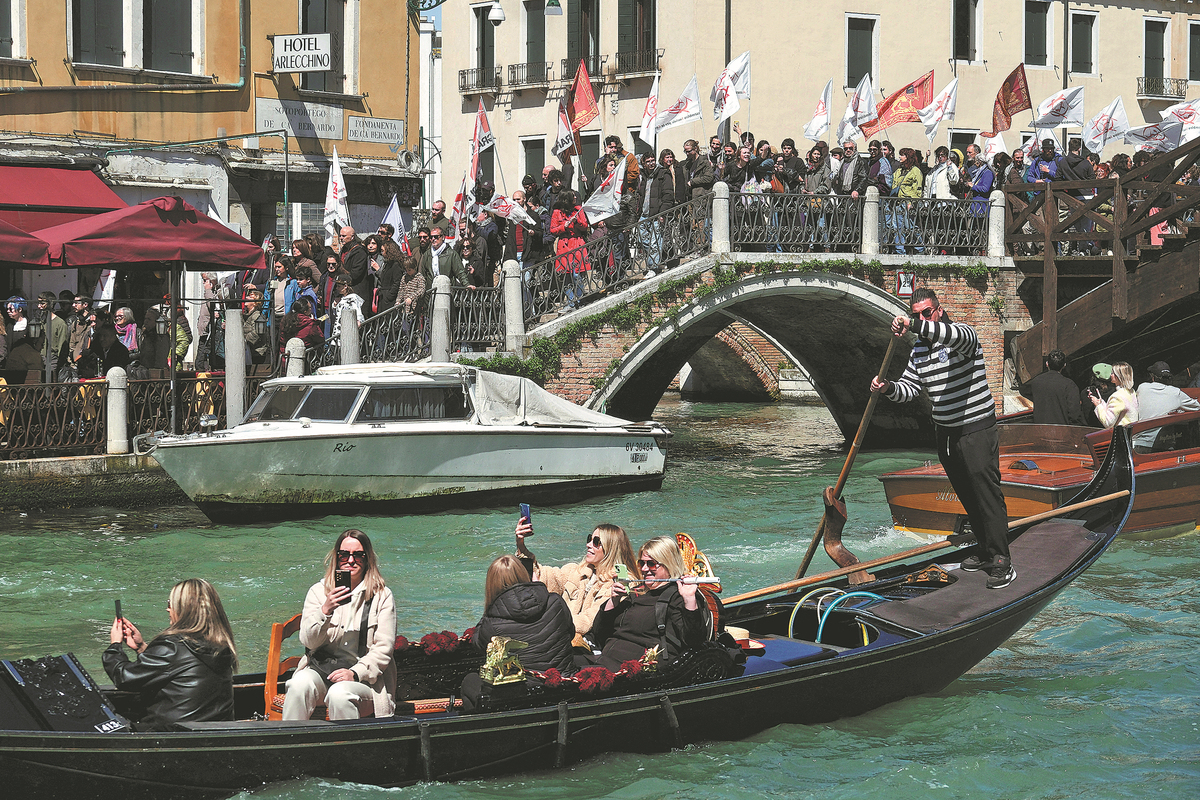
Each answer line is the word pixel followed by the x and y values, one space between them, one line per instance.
pixel 1097 698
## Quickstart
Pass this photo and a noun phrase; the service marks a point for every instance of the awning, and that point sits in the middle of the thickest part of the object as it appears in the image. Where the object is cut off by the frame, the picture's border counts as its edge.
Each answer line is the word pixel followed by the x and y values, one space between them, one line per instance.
pixel 32 198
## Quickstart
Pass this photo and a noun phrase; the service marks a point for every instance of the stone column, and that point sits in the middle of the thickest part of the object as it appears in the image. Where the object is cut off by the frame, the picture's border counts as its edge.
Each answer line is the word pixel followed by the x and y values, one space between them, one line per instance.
pixel 870 222
pixel 348 343
pixel 117 412
pixel 440 337
pixel 996 225
pixel 514 309
pixel 294 352
pixel 235 367
pixel 720 218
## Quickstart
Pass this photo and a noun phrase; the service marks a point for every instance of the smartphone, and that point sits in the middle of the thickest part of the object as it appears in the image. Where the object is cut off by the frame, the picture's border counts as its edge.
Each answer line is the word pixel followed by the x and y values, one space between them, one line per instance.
pixel 526 514
pixel 342 578
pixel 118 603
pixel 622 572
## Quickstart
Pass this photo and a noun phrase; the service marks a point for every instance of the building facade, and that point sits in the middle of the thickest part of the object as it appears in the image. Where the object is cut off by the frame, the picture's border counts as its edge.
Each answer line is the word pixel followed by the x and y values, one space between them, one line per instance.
pixel 1146 52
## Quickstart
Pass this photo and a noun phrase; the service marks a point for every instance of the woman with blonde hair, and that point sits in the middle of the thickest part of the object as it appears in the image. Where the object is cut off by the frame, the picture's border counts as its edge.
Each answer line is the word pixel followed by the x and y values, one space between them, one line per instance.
pixel 348 629
pixel 627 625
pixel 185 674
pixel 587 584
pixel 1122 405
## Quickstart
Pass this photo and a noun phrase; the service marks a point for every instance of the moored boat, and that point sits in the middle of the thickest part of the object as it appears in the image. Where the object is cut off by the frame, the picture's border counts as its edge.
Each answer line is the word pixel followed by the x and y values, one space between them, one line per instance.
pixel 382 438
pixel 825 650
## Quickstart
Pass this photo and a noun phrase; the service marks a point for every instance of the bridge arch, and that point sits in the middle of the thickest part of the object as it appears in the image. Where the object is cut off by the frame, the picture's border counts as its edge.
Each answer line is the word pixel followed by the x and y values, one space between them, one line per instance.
pixel 836 326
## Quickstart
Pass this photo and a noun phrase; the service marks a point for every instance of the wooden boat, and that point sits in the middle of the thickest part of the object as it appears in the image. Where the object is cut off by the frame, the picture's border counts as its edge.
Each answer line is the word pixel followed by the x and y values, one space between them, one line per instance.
pixel 918 626
pixel 1043 465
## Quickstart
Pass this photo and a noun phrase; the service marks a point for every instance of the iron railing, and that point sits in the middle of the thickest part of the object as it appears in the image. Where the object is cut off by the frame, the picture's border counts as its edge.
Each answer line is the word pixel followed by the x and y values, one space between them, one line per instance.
pixel 795 223
pixel 638 62
pixel 394 335
pixel 479 80
pixel 931 227
pixel 476 317
pixel 609 263
pixel 532 73
pixel 38 419
pixel 1172 88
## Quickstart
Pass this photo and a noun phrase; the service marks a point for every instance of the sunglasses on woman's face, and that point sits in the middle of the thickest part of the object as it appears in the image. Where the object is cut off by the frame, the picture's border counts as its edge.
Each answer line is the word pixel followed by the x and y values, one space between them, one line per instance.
pixel 594 541
pixel 352 555
pixel 648 564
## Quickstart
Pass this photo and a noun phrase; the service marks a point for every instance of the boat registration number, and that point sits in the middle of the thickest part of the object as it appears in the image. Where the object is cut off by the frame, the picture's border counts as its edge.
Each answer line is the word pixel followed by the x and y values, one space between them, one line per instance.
pixel 638 458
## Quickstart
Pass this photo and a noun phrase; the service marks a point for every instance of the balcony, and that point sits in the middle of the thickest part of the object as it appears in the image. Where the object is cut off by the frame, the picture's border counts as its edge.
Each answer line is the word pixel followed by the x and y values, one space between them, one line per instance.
pixel 534 74
pixel 594 64
pixel 479 81
pixel 1161 88
pixel 638 63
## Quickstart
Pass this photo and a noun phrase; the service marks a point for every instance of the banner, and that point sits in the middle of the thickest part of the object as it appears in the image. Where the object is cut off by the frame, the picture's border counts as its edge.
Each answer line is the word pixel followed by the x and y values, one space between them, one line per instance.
pixel 337 207
pixel 1107 126
pixel 1061 109
pixel 902 105
pixel 1012 97
pixel 502 206
pixel 737 74
pixel 564 139
pixel 727 103
pixel 1189 114
pixel 1161 136
pixel 859 112
pixel 942 108
pixel 606 200
pixel 685 110
pixel 582 105
pixel 820 121
pixel 649 113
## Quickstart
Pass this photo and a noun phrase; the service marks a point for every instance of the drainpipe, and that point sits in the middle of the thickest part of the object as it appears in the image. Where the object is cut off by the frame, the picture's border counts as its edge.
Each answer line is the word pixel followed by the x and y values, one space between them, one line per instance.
pixel 149 87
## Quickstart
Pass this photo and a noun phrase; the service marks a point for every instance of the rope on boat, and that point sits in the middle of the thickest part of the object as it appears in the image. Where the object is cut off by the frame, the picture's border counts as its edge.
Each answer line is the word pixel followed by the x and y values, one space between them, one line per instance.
pixel 834 604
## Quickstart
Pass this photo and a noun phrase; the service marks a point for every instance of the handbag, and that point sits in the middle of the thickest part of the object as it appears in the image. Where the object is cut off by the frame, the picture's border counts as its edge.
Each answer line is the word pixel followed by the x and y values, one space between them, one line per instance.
pixel 324 661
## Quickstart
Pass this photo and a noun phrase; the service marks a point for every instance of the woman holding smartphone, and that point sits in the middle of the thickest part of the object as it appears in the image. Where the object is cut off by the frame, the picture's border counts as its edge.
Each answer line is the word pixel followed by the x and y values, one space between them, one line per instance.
pixel 348 629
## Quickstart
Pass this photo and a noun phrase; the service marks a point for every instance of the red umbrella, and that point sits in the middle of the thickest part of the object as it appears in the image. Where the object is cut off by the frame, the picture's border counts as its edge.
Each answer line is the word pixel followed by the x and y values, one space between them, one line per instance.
pixel 147 234
pixel 21 249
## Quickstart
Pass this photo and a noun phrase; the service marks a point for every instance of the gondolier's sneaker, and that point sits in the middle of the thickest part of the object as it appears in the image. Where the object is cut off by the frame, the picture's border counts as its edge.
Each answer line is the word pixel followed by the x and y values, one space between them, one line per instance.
pixel 1002 573
pixel 974 564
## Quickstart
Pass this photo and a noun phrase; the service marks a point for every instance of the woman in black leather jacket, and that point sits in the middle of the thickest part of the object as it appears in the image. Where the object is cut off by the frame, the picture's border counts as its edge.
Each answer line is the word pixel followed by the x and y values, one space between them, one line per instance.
pixel 185 674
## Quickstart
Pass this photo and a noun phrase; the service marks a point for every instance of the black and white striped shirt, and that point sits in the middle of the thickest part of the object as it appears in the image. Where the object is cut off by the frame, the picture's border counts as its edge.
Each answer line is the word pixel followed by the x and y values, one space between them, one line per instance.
pixel 947 362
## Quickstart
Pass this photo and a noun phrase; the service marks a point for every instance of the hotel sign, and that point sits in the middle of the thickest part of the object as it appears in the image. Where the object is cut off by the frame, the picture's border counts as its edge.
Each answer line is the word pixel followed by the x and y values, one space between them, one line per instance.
pixel 303 52
pixel 303 120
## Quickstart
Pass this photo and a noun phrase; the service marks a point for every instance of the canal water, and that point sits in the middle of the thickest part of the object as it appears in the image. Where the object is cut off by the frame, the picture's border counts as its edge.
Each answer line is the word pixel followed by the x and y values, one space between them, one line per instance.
pixel 1098 697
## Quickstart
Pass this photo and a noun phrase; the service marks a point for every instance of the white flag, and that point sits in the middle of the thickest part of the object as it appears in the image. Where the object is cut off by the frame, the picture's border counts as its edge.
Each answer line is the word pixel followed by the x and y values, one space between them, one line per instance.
pixel 564 139
pixel 859 112
pixel 942 108
pixel 502 206
pixel 1063 108
pixel 727 103
pixel 736 72
pixel 993 146
pixel 1107 126
pixel 685 110
pixel 820 121
pixel 337 207
pixel 1189 114
pixel 1161 136
pixel 392 217
pixel 606 200
pixel 647 133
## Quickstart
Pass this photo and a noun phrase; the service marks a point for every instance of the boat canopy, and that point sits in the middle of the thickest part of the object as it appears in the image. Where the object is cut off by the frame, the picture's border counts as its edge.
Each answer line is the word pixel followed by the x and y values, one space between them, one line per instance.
pixel 512 400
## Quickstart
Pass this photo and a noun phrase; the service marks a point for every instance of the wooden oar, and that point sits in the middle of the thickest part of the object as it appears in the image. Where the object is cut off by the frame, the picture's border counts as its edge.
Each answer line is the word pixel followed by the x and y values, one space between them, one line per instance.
pixel 932 547
pixel 834 518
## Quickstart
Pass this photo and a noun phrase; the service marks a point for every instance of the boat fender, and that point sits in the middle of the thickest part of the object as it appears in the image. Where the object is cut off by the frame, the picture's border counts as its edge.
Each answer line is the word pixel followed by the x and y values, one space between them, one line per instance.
pixel 1024 463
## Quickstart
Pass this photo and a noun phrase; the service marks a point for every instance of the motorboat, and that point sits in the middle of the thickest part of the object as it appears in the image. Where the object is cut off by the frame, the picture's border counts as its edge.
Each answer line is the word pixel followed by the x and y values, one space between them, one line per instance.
pixel 385 438
pixel 817 649
pixel 1043 465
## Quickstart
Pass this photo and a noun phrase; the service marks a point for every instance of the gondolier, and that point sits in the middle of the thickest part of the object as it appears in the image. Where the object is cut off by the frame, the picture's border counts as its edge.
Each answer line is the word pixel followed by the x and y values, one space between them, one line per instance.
pixel 947 362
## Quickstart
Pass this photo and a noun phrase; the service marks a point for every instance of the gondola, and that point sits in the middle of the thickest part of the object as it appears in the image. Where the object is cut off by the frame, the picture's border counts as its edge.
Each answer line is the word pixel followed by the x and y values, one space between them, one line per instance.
pixel 821 649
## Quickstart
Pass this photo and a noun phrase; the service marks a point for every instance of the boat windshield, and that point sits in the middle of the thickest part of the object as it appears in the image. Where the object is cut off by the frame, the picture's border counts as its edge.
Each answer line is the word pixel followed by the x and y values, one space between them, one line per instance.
pixel 278 403
pixel 329 404
pixel 396 403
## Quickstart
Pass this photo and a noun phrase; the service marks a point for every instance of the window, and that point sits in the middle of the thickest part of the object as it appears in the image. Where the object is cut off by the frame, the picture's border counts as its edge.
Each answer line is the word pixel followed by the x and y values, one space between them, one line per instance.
pixel 1037 33
pixel 326 16
pixel 534 151
pixel 1194 52
pixel 396 403
pixel 966 26
pixel 97 32
pixel 1154 54
pixel 861 41
pixel 1083 43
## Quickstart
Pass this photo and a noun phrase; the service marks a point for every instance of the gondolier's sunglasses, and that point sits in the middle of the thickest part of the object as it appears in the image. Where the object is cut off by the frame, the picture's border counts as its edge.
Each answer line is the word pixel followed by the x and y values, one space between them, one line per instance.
pixel 648 563
pixel 594 541
pixel 352 555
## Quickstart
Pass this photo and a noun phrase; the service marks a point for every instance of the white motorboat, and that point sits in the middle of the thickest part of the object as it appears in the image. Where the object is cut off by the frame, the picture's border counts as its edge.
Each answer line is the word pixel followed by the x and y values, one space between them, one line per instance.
pixel 381 438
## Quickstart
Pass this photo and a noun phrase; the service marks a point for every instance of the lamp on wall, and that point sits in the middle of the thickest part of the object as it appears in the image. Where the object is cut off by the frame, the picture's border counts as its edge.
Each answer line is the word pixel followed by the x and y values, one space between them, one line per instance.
pixel 553 8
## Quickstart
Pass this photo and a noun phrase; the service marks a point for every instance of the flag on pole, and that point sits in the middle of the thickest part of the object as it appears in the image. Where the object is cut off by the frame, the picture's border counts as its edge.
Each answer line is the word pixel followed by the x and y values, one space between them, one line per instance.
pixel 1012 97
pixel 820 121
pixel 1107 126
pixel 502 206
pixel 902 105
pixel 564 139
pixel 1162 136
pixel 859 112
pixel 392 217
pixel 606 200
pixel 1060 109
pixel 993 146
pixel 582 106
pixel 942 108
pixel 647 134
pixel 337 207
pixel 727 103
pixel 1189 114
pixel 686 109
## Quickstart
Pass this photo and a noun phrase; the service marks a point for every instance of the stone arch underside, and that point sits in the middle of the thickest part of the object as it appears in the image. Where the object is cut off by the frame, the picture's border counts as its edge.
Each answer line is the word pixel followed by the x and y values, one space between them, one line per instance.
pixel 837 327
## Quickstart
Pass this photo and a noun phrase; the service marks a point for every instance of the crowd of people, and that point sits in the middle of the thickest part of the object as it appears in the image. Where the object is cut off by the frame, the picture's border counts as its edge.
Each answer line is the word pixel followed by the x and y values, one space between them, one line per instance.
pixel 582 614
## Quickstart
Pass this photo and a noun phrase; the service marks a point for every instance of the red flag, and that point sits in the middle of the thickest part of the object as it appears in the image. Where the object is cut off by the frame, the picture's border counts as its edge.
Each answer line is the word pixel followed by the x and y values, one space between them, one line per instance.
pixel 583 102
pixel 1012 97
pixel 902 105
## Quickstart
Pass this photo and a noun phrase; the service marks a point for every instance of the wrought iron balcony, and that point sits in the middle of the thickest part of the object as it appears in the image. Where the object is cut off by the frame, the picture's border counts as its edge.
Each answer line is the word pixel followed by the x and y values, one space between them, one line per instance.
pixel 533 73
pixel 638 62
pixel 479 81
pixel 594 64
pixel 1161 88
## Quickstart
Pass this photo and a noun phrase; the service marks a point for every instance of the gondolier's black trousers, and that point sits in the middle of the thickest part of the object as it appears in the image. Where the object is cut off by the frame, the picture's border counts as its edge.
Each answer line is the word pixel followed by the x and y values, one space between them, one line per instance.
pixel 972 463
